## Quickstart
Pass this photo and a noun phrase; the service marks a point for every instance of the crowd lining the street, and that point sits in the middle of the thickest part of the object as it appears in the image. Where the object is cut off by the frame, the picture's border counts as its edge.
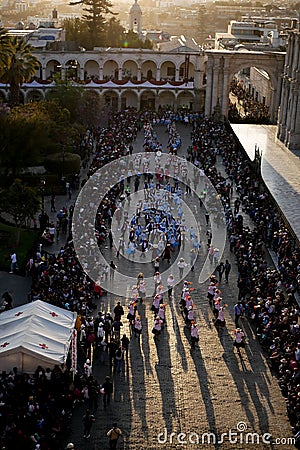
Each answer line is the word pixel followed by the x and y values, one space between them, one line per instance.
pixel 35 410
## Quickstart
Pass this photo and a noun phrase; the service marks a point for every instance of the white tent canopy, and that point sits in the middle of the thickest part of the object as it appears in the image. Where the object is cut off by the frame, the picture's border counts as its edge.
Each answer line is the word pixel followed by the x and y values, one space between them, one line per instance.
pixel 35 334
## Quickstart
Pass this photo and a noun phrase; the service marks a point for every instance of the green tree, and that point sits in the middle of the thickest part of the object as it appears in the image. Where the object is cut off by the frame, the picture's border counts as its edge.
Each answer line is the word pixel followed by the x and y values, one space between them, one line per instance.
pixel 90 109
pixel 20 66
pixel 21 203
pixel 95 16
pixel 4 50
pixel 114 33
pixel 77 31
pixel 132 40
pixel 23 133
pixel 66 96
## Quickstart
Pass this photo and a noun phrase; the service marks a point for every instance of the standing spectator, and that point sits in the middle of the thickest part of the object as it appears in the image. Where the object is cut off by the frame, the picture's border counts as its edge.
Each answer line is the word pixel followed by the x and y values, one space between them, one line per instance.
pixel 125 344
pixel 52 201
pixel 207 218
pixel 220 269
pixel 13 262
pixel 113 436
pixel 236 206
pixel 238 312
pixel 227 269
pixel 113 267
pixel 216 256
pixel 88 368
pixel 107 387
pixel 119 358
pixel 118 311
pixel 88 420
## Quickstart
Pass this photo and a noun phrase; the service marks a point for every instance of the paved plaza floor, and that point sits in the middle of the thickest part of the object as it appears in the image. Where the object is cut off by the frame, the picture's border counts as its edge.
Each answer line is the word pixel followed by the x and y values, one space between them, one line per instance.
pixel 166 388
pixel 280 167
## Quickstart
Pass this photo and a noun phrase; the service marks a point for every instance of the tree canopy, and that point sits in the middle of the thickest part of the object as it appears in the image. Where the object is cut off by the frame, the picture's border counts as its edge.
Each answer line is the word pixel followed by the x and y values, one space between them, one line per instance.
pixel 95 17
pixel 18 65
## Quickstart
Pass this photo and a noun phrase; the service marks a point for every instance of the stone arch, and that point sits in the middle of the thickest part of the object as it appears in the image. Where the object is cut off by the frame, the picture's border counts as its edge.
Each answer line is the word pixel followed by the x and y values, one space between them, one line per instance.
pixel 166 98
pixel 148 100
pixel 110 70
pixel 3 96
pixel 53 67
pixel 91 70
pixel 129 99
pixel 168 71
pixel 111 99
pixel 186 71
pixel 221 67
pixel 72 70
pixel 34 95
pixel 186 100
pixel 129 69
pixel 149 70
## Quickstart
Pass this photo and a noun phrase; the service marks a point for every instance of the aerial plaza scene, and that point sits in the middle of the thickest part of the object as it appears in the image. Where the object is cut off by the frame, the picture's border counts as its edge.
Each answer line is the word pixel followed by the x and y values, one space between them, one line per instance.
pixel 156 302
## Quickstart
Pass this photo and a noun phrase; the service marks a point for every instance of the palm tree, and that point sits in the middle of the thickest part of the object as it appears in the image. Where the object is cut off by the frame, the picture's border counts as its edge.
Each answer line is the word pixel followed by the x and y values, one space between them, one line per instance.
pixel 19 67
pixel 4 46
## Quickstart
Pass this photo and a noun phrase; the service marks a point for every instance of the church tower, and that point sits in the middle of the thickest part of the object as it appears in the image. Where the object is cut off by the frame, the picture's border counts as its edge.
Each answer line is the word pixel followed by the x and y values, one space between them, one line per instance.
pixel 135 18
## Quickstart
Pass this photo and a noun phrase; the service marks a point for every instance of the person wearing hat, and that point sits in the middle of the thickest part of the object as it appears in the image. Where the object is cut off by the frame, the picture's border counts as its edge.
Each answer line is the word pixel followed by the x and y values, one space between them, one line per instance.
pixel 113 435
pixel 239 337
pixel 194 334
pixel 181 266
pixel 137 326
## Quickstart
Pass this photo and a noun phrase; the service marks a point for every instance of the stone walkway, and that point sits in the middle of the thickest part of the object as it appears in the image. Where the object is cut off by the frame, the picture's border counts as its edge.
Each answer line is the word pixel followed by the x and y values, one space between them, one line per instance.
pixel 280 168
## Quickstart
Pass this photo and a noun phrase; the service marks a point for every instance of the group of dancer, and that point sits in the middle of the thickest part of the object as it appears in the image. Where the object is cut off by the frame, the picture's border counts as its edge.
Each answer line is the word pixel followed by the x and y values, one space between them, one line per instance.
pixel 218 306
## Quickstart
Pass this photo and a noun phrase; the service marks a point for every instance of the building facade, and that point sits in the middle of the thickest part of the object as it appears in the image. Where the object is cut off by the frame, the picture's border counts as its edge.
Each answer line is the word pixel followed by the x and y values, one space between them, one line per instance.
pixel 289 117
pixel 125 77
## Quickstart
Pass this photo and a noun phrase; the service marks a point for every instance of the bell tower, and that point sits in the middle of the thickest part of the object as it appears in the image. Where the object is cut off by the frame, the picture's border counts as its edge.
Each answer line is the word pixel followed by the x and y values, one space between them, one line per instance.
pixel 135 18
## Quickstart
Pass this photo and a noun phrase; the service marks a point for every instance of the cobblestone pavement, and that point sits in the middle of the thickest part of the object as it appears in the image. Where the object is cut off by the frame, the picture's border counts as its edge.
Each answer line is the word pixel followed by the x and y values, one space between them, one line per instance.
pixel 166 387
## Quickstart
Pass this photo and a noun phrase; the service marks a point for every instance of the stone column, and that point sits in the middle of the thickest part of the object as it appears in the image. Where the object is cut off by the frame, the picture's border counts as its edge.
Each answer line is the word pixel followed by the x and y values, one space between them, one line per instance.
pixel 139 74
pixel 225 93
pixel 283 109
pixel 157 74
pixel 209 86
pixel 81 73
pixel 120 73
pixel 177 74
pixel 119 101
pixel 215 87
pixel 100 73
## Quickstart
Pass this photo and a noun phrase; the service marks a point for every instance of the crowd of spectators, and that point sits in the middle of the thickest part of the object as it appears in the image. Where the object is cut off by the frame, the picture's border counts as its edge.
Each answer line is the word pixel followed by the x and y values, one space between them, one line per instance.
pixel 35 410
pixel 267 292
pixel 247 109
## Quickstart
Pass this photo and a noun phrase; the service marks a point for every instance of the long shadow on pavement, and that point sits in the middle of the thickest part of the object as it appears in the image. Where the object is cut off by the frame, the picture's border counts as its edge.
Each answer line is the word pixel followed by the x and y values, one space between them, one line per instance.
pixel 165 378
pixel 202 374
pixel 247 382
